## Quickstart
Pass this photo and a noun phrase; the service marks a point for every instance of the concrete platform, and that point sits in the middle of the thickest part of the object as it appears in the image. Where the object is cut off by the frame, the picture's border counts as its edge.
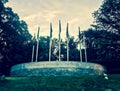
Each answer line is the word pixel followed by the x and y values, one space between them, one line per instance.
pixel 57 68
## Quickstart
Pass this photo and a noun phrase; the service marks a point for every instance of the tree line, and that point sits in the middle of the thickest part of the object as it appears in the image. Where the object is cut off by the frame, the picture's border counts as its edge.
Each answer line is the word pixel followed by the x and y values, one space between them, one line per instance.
pixel 102 39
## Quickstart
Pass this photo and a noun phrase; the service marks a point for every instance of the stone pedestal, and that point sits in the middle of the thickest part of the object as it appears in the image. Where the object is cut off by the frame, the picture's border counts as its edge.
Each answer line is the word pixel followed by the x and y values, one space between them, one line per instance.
pixel 57 68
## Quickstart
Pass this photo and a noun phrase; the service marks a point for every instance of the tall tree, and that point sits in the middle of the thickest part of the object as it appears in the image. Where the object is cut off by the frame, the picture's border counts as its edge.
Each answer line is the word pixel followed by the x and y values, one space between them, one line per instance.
pixel 101 45
pixel 107 17
pixel 14 37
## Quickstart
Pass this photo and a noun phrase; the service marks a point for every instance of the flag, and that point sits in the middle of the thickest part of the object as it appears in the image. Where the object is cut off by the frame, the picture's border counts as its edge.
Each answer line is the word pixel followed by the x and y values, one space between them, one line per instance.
pixel 79 33
pixel 59 29
pixel 67 32
pixel 51 30
pixel 34 39
pixel 38 33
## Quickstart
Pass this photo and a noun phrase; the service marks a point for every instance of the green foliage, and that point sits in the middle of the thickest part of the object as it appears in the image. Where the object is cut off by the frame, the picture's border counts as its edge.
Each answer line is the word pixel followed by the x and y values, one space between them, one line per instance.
pixel 14 38
pixel 44 49
pixel 103 45
pixel 107 17
pixel 104 39
pixel 82 83
pixel 73 50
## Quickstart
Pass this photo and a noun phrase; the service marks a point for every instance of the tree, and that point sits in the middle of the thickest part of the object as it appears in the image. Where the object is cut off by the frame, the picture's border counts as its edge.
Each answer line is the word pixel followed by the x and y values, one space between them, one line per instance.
pixel 43 49
pixel 73 50
pixel 107 17
pixel 103 40
pixel 14 38
pixel 102 45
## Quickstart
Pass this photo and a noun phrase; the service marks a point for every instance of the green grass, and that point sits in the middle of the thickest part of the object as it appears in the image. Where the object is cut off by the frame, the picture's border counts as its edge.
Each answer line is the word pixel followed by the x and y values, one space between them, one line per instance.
pixel 82 83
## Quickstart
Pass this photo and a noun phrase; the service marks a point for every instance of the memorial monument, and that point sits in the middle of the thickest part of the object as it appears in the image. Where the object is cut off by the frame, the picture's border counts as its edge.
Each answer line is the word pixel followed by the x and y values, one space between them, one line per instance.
pixel 59 67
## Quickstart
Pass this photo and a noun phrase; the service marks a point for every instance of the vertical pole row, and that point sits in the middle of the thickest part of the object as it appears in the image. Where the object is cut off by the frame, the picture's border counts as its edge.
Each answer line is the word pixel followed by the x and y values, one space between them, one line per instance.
pixel 59 39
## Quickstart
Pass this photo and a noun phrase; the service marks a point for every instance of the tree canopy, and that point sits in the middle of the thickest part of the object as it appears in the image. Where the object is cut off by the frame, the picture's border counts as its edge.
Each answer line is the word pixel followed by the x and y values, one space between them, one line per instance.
pixel 14 36
pixel 107 17
pixel 103 39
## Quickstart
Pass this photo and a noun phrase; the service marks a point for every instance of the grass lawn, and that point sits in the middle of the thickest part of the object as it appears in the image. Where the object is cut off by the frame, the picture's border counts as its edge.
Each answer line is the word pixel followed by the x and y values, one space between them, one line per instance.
pixel 82 83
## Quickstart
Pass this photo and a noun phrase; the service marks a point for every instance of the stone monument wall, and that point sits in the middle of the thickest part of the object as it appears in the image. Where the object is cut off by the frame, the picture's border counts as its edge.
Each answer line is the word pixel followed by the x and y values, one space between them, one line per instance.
pixel 57 68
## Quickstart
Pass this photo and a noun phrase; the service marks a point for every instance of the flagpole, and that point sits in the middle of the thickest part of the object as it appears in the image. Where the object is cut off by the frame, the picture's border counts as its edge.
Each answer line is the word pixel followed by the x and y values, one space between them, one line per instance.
pixel 67 50
pixel 59 40
pixel 50 45
pixel 80 44
pixel 37 50
pixel 67 35
pixel 80 53
pixel 33 48
pixel 33 53
pixel 50 50
pixel 85 50
pixel 59 50
pixel 37 44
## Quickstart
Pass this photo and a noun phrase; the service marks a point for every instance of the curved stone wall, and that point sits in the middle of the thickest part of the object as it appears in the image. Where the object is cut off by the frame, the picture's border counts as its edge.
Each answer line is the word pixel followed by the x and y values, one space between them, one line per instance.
pixel 57 68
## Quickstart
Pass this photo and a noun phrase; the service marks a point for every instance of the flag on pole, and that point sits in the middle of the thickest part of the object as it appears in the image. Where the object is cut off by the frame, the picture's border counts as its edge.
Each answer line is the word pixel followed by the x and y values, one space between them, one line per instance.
pixel 79 33
pixel 38 33
pixel 51 30
pixel 59 30
pixel 50 45
pixel 67 32
pixel 67 36
pixel 59 40
pixel 37 44
pixel 80 44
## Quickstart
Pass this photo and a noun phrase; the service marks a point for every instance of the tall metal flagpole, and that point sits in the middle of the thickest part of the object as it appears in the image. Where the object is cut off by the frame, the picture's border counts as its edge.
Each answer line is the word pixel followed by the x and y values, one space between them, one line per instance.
pixel 33 48
pixel 37 44
pixel 80 44
pixel 50 45
pixel 32 53
pixel 85 50
pixel 67 36
pixel 59 40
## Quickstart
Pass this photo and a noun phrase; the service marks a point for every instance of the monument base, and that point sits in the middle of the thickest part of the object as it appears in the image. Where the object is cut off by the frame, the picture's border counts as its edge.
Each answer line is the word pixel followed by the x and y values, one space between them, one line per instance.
pixel 57 68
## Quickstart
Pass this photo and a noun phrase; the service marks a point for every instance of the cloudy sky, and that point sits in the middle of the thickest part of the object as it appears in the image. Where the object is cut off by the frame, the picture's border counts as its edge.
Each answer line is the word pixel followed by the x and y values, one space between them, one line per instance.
pixel 42 12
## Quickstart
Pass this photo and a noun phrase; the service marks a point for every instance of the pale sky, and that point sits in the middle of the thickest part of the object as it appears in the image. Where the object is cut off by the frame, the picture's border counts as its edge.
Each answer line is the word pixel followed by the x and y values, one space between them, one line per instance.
pixel 42 12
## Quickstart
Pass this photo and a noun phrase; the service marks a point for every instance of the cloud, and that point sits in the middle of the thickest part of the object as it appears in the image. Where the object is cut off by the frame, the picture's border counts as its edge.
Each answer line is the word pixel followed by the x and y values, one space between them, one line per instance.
pixel 46 15
pixel 73 21
pixel 41 19
pixel 50 15
pixel 42 12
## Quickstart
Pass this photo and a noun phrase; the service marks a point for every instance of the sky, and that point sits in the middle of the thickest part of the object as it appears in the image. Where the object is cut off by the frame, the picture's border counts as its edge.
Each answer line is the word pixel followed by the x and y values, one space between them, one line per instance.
pixel 41 12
